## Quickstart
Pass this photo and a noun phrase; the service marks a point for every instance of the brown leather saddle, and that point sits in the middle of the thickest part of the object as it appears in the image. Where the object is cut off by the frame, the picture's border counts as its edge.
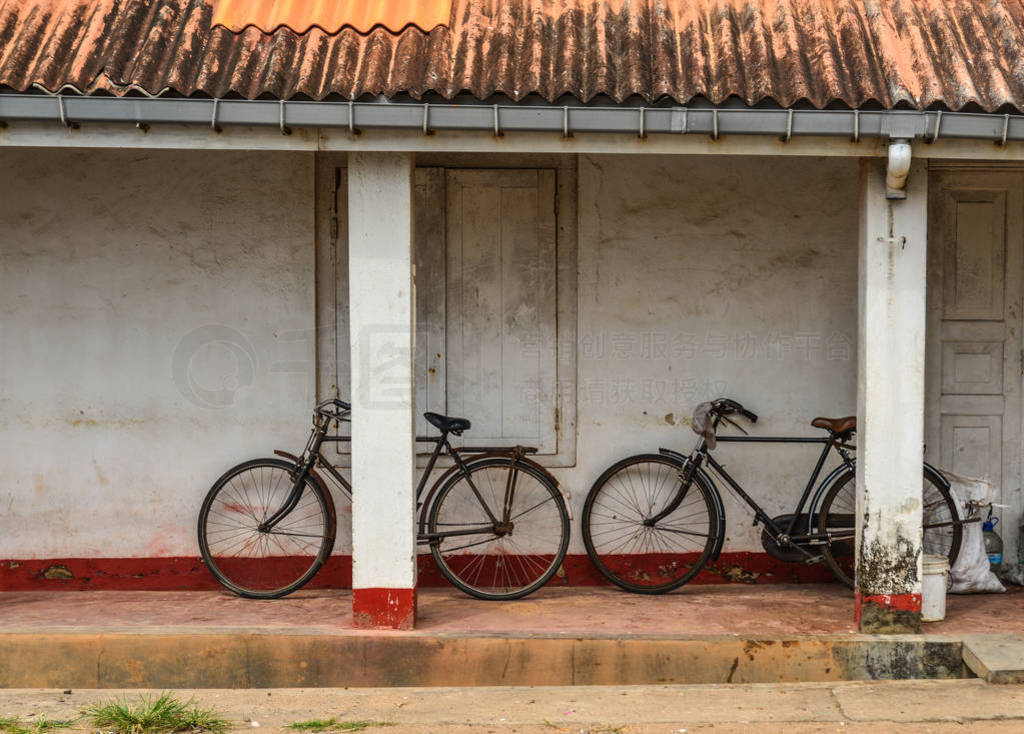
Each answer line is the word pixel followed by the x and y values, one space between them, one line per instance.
pixel 836 425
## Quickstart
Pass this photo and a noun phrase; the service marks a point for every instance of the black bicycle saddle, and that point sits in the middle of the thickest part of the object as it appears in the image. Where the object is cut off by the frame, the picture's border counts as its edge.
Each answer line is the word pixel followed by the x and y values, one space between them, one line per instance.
pixel 447 425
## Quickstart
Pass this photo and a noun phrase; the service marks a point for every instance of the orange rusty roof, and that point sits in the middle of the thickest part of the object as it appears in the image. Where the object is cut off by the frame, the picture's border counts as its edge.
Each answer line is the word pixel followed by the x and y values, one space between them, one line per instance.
pixel 330 15
pixel 894 53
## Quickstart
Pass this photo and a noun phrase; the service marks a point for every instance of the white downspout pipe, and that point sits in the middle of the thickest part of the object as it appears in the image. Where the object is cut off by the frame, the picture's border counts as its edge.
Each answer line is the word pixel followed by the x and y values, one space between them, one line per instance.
pixel 898 168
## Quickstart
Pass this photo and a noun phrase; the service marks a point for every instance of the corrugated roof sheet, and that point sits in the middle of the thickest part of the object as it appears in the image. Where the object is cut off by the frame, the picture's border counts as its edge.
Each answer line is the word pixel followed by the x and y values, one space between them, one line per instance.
pixel 330 15
pixel 910 53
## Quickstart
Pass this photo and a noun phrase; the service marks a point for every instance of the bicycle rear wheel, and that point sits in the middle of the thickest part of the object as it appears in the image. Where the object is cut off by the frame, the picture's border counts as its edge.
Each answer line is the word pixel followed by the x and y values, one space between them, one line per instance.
pixel 264 565
pixel 940 521
pixel 649 559
pixel 499 563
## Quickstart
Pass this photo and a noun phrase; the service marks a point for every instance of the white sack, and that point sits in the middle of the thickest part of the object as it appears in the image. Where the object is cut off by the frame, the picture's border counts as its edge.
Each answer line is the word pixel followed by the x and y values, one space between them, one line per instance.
pixel 1012 574
pixel 971 574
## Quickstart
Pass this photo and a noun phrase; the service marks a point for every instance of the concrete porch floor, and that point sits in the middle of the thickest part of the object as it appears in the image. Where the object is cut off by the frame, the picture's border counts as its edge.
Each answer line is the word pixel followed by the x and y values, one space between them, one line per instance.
pixel 780 609
pixel 700 634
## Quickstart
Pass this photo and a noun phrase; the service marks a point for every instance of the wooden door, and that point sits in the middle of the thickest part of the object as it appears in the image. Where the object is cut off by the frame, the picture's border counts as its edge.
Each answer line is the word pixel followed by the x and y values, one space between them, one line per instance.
pixel 501 312
pixel 973 410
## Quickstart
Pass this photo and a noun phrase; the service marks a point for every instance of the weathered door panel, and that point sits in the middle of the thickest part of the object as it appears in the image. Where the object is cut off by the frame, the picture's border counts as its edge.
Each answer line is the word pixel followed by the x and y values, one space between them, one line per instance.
pixel 501 271
pixel 973 383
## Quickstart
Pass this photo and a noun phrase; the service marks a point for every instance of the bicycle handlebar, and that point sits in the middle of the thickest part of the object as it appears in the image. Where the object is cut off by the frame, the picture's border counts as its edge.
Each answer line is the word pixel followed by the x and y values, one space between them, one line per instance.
pixel 341 405
pixel 725 406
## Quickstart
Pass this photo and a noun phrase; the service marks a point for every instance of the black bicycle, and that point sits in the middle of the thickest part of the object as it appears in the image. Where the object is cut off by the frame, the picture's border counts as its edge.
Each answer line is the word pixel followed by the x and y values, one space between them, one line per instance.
pixel 651 522
pixel 496 521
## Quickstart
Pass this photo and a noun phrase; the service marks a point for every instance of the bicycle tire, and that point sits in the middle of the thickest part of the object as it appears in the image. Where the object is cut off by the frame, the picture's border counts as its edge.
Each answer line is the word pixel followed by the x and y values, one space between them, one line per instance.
pixel 269 565
pixel 517 563
pixel 636 557
pixel 838 511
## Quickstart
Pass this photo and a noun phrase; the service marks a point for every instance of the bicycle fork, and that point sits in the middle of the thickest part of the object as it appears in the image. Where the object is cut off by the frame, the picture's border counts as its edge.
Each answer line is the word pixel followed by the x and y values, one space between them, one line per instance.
pixel 292 501
pixel 686 474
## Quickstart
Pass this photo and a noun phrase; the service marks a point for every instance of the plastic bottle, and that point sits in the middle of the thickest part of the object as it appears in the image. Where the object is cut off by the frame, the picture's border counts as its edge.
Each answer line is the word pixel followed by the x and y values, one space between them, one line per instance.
pixel 993 543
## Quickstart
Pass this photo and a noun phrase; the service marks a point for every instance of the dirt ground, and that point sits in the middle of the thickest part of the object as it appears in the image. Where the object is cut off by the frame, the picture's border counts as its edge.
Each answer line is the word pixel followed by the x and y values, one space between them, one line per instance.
pixel 901 706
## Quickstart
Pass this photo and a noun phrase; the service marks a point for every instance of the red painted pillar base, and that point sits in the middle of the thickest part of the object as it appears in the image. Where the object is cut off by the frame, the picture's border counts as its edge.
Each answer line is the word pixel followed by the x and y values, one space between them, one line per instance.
pixel 888 613
pixel 384 609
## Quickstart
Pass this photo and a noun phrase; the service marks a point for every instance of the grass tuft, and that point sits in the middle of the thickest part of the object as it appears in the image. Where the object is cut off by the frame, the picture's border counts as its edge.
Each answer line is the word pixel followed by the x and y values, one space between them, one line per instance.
pixel 332 724
pixel 314 725
pixel 39 726
pixel 152 716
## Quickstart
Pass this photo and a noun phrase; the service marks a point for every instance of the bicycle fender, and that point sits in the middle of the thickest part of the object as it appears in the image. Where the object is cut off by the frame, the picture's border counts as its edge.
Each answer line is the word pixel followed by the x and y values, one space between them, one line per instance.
pixel 422 522
pixel 316 478
pixel 716 497
pixel 566 494
pixel 819 493
pixel 831 479
pixel 936 474
pixel 438 483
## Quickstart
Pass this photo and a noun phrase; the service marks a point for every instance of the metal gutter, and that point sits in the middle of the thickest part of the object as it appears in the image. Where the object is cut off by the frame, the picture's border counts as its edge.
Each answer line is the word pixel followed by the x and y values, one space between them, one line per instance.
pixel 500 119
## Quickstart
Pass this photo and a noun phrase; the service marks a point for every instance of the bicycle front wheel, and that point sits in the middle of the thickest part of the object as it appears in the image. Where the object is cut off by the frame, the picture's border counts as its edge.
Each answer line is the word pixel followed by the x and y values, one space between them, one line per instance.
pixel 480 553
pixel 257 564
pixel 635 555
pixel 940 520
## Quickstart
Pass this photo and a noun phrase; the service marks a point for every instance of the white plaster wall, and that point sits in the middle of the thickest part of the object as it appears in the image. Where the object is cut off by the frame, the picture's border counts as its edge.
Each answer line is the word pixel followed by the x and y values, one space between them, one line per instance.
pixel 156 316
pixel 707 276
pixel 697 277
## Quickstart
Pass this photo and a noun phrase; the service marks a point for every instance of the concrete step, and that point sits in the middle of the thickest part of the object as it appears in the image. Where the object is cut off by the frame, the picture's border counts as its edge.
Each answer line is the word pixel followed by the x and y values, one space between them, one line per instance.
pixel 238 658
pixel 995 658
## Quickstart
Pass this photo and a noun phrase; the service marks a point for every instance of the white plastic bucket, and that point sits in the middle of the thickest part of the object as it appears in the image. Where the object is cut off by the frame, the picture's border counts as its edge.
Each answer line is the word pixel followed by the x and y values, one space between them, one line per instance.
pixel 933 588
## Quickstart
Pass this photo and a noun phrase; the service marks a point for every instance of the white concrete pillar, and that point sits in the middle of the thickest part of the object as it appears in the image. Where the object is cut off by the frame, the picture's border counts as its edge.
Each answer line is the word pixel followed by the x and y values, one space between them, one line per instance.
pixel 890 400
pixel 382 332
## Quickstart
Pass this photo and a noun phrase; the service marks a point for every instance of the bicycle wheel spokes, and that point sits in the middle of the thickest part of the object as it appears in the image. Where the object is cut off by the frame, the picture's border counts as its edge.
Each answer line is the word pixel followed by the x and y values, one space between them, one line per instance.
pixel 938 512
pixel 503 560
pixel 643 557
pixel 261 564
pixel 838 523
pixel 941 531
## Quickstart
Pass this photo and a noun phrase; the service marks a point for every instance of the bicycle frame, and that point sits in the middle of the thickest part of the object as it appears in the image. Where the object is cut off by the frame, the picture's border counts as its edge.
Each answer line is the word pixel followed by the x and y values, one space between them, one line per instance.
pixel 830 442
pixel 311 458
pixel 701 454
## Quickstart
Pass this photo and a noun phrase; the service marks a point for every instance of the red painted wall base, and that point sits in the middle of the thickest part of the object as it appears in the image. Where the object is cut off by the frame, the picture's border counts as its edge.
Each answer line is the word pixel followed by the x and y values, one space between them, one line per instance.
pixel 388 609
pixel 189 573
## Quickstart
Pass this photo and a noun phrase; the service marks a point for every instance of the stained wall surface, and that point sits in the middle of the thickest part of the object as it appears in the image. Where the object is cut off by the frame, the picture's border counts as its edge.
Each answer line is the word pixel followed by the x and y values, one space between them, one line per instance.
pixel 158 324
pixel 156 314
pixel 703 277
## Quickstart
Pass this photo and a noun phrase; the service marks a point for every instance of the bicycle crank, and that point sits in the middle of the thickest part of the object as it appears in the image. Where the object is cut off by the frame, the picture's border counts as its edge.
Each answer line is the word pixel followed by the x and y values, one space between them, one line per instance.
pixel 788 552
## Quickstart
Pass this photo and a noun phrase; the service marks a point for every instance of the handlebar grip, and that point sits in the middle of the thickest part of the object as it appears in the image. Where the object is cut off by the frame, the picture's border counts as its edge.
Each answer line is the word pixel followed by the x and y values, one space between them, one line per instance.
pixel 752 417
pixel 342 404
